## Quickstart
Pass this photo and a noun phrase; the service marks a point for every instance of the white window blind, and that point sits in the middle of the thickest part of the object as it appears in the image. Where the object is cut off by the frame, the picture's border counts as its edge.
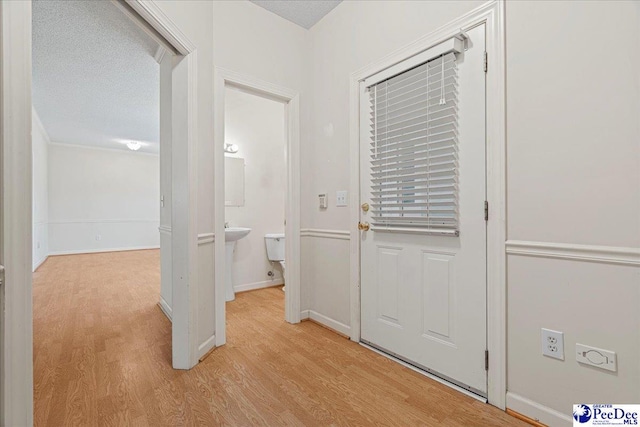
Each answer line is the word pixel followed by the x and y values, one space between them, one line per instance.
pixel 414 148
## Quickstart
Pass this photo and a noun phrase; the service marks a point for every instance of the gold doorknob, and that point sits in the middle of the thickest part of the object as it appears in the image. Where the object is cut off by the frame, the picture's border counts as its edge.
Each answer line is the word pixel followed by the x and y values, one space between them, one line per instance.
pixel 365 207
pixel 363 226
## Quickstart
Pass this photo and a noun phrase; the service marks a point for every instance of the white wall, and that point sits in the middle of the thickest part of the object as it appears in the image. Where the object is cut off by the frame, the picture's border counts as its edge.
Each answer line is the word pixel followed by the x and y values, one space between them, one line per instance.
pixel 257 126
pixel 40 141
pixel 102 200
pixel 573 139
pixel 573 178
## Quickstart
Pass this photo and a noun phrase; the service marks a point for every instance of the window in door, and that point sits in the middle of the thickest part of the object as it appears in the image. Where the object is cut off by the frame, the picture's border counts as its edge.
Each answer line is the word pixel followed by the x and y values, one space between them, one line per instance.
pixel 414 175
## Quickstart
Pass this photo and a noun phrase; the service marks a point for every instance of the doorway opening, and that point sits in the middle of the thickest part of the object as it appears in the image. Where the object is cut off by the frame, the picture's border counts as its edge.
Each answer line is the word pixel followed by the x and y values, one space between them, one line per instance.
pixel 16 339
pixel 96 192
pixel 257 192
pixel 255 189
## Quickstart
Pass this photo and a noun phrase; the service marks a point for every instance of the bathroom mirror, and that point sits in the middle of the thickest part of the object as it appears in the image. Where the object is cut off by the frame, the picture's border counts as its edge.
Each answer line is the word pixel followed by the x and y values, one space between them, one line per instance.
pixel 233 181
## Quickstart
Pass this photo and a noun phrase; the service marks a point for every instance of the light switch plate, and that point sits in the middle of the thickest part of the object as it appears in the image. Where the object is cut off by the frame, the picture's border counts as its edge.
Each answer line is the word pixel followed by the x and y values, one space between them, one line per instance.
pixel 322 201
pixel 603 359
pixel 341 198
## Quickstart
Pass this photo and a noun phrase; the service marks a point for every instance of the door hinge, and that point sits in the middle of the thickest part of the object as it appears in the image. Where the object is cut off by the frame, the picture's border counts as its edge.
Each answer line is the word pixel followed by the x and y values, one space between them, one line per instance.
pixel 486 360
pixel 1 275
pixel 486 61
pixel 486 210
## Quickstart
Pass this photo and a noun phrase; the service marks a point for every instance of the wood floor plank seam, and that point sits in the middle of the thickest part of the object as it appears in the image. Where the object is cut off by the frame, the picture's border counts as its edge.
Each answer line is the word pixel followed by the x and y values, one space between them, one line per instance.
pixel 102 357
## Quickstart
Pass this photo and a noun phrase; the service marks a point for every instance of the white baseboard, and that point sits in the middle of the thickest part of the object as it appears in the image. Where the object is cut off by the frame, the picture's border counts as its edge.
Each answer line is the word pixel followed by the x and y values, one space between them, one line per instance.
pixel 258 285
pixel 165 307
pixel 39 263
pixel 536 411
pixel 304 314
pixel 96 251
pixel 330 323
pixel 206 346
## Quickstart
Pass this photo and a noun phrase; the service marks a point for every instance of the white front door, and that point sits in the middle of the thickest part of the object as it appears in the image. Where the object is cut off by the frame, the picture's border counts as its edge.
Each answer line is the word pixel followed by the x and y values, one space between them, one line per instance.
pixel 423 288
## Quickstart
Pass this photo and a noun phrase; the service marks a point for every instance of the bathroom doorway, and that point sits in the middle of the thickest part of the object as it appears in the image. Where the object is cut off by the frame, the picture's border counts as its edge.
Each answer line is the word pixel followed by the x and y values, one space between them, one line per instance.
pixel 257 194
pixel 254 187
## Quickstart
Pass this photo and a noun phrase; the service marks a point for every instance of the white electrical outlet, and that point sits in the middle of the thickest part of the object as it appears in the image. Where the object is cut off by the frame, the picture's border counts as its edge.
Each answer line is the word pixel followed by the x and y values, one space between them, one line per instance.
pixel 553 343
pixel 341 198
pixel 603 359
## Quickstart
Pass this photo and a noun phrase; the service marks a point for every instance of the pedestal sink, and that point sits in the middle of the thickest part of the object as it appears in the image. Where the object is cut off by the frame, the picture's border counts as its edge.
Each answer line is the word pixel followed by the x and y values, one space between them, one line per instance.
pixel 231 236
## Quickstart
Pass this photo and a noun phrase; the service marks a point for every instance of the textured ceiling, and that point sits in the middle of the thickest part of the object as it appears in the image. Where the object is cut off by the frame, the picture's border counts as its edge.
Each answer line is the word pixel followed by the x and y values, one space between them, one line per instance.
pixel 95 81
pixel 304 13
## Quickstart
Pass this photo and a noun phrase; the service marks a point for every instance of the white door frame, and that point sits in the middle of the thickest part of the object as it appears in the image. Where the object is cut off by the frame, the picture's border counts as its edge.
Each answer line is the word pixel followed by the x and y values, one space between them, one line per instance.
pixel 16 320
pixel 16 331
pixel 184 180
pixel 291 99
pixel 492 15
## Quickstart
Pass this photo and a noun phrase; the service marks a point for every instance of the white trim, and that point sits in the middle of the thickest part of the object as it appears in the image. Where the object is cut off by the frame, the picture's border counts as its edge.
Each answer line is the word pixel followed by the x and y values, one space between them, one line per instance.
pixel 205 238
pixel 304 315
pixel 329 322
pixel 219 208
pixel 39 263
pixel 291 99
pixel 258 285
pixel 536 411
pixel 165 307
pixel 292 207
pixel 206 346
pixel 164 229
pixel 327 234
pixel 496 196
pixel 16 324
pixel 39 125
pixel 453 44
pixel 569 251
pixel 184 213
pixel 151 13
pixel 491 14
pixel 103 250
pixel 255 86
pixel 122 149
pixel 354 203
pixel 159 55
pixel 102 221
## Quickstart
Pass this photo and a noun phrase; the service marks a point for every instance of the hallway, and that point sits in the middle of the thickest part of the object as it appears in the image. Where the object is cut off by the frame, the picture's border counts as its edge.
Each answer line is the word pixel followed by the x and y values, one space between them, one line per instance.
pixel 102 351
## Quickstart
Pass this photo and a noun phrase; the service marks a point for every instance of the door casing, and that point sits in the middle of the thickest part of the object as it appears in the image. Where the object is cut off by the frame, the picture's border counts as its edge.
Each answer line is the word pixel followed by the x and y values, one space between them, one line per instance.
pixel 291 99
pixel 492 15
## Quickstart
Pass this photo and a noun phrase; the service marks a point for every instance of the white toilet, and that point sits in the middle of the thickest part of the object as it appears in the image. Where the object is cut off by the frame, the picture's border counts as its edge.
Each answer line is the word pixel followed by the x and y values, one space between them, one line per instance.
pixel 275 249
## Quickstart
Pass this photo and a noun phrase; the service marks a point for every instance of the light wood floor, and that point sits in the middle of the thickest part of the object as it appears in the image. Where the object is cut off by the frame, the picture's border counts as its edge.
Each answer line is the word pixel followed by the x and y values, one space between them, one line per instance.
pixel 102 351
